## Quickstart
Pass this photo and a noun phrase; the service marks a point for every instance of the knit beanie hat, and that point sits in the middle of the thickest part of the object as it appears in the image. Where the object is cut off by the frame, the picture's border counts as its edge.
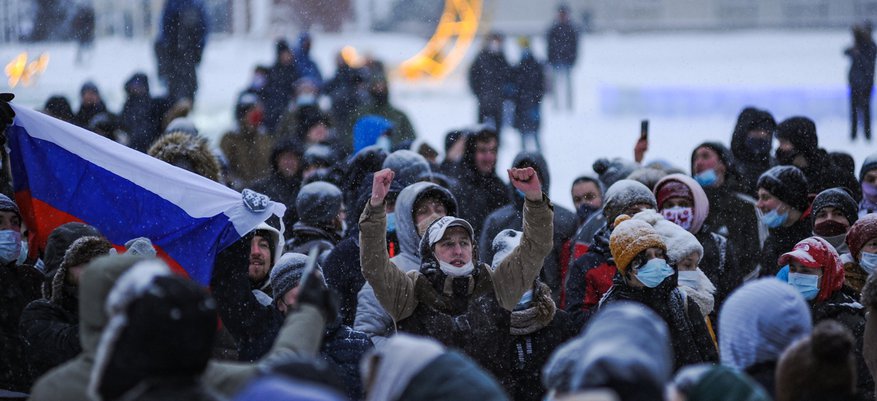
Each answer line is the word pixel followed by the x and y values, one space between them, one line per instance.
pixel 680 243
pixel 629 238
pixel 820 366
pixel 817 253
pixel 7 205
pixel 623 194
pixel 838 198
pixel 801 132
pixel 611 171
pixel 318 203
pixel 287 273
pixel 869 164
pixel 82 251
pixel 864 230
pixel 788 184
pixel 672 189
pixel 408 166
pixel 753 333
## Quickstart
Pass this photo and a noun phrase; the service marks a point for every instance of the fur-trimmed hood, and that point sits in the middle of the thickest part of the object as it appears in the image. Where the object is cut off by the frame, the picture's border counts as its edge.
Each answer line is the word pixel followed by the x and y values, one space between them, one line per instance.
pixel 186 151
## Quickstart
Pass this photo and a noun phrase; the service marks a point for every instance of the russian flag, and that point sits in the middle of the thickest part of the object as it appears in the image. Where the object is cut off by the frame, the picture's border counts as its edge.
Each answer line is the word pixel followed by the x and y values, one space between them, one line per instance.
pixel 62 173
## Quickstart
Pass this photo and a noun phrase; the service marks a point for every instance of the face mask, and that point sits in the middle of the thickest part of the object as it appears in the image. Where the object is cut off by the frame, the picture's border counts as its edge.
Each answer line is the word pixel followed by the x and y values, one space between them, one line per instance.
pixel 584 211
pixel 758 146
pixel 682 216
pixel 830 228
pixel 838 242
pixel 773 219
pixel 868 262
pixel 706 178
pixel 22 257
pixel 384 143
pixel 455 271
pixel 654 272
pixel 10 246
pixel 806 284
pixel 783 274
pixel 785 157
pixel 870 192
pixel 688 278
pixel 391 222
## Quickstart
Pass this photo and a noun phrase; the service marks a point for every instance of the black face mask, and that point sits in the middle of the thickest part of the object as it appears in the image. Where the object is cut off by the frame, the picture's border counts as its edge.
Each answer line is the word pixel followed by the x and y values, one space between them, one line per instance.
pixel 786 157
pixel 829 228
pixel 380 97
pixel 584 211
pixel 758 146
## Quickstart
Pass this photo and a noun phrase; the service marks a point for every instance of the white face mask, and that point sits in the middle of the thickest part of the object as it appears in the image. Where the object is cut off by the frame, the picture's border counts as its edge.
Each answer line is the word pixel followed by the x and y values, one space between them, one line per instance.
pixel 688 278
pixel 455 271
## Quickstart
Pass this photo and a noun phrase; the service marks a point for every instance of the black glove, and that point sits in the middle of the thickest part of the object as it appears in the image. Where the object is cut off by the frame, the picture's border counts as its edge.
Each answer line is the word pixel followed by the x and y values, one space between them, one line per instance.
pixel 314 292
pixel 6 112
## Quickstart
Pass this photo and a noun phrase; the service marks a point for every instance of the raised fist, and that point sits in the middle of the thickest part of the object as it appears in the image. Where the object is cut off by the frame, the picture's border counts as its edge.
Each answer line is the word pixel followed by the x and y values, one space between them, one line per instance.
pixel 527 181
pixel 381 186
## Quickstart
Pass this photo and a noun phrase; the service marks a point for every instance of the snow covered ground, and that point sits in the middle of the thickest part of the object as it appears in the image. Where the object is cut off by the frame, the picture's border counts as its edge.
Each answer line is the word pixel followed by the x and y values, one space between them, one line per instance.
pixel 690 85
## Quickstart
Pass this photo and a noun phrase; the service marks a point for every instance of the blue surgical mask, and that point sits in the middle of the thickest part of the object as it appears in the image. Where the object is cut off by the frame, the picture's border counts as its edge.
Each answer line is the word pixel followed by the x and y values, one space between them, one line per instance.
pixel 806 284
pixel 22 257
pixel 10 246
pixel 774 219
pixel 391 222
pixel 707 178
pixel 783 274
pixel 654 272
pixel 868 262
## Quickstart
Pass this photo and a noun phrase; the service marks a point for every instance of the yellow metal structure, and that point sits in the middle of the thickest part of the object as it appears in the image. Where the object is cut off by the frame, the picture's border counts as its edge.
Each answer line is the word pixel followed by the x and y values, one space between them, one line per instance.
pixel 448 45
pixel 20 71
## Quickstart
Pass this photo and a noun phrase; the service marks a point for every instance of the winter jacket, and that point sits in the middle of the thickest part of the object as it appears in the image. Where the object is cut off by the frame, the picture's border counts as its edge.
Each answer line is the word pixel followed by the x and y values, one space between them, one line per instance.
pixel 371 317
pixel 344 275
pixel 845 309
pixel 779 241
pixel 563 44
pixel 688 331
pixel 529 80
pixel 492 192
pixel 278 92
pixel 488 76
pixel 304 64
pixel 248 155
pixel 51 334
pixel 861 75
pixel 536 331
pixel 414 300
pixel 20 286
pixel 343 347
pixel 750 162
pixel 402 128
pixel 735 216
pixel 142 114
pixel 300 335
pixel 509 216
pixel 589 278
pixel 719 263
pixel 822 174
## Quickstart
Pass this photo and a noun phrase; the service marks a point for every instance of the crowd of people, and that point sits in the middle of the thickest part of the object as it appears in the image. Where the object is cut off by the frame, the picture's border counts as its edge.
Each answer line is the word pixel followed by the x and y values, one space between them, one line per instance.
pixel 745 275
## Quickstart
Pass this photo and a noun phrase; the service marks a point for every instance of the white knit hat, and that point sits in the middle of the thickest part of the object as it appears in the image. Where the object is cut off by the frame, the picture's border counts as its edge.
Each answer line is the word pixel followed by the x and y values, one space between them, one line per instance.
pixel 680 243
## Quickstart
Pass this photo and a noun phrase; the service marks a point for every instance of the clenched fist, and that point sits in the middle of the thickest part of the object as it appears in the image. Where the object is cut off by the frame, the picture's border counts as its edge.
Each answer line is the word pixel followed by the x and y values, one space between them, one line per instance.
pixel 381 186
pixel 527 181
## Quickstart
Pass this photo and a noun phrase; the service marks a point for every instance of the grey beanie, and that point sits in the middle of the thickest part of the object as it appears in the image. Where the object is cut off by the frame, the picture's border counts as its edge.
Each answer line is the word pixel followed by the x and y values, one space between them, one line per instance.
pixel 318 203
pixel 140 246
pixel 610 171
pixel 287 273
pixel 753 333
pixel 623 194
pixel 408 166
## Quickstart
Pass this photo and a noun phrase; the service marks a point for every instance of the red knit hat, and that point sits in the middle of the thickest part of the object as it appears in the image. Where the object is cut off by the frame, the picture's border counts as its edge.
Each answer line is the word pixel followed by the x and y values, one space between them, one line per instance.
pixel 817 253
pixel 864 230
pixel 673 189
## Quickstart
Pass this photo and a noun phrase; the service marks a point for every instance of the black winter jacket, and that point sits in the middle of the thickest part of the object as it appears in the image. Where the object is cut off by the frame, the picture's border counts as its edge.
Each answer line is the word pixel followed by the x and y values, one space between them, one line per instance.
pixel 843 308
pixel 343 347
pixel 51 335
pixel 20 286
pixel 779 241
pixel 343 273
pixel 735 216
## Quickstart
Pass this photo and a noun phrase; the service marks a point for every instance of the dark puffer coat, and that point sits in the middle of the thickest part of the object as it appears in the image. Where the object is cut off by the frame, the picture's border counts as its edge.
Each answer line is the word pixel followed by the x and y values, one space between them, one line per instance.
pixel 21 285
pixel 51 334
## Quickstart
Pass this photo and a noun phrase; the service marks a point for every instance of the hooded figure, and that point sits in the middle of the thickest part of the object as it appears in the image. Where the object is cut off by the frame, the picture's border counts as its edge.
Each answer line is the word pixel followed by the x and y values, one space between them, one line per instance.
pixel 783 201
pixel 492 193
pixel 371 317
pixel 816 272
pixel 864 257
pixel 590 276
pixel 372 130
pixel 281 82
pixel 51 326
pixel 644 276
pixel 301 333
pixel 819 367
pixel 489 77
pixel 457 299
pixel 90 104
pixel 158 339
pixel 304 65
pixel 410 368
pixel 753 336
pixel 141 114
pixel 284 181
pixel 751 146
pixel 799 146
pixel 682 201
pixel 626 351
pixel 509 217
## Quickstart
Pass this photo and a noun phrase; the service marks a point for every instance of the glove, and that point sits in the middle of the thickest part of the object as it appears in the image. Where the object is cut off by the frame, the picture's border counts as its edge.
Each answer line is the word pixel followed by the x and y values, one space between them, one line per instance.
pixel 6 112
pixel 314 292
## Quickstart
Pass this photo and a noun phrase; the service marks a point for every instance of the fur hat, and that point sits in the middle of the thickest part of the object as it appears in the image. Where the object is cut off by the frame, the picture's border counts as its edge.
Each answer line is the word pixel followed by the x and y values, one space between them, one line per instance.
pixel 186 151
pixel 624 194
pixel 788 184
pixel 820 366
pixel 82 251
pixel 680 243
pixel 864 230
pixel 629 238
pixel 817 253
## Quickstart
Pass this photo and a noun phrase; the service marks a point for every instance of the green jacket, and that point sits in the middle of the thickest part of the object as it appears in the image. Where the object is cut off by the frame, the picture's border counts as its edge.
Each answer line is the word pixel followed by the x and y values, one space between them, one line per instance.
pixel 394 289
pixel 300 335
